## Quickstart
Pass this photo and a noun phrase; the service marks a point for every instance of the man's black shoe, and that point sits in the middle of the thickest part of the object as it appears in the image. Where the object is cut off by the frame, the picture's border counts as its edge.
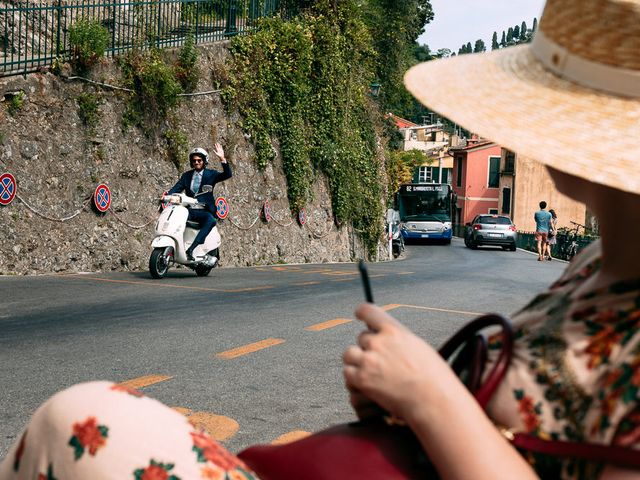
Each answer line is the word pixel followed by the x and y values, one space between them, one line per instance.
pixel 190 256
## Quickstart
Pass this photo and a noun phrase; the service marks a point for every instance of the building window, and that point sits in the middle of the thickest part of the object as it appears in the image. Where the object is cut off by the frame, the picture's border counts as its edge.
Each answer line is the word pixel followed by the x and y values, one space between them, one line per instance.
pixel 494 172
pixel 506 200
pixel 446 175
pixel 493 211
pixel 425 175
pixel 509 162
pixel 459 171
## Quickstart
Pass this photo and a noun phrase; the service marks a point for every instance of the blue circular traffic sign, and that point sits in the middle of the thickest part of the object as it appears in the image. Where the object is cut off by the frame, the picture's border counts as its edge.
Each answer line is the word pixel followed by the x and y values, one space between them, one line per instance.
pixel 8 188
pixel 102 198
pixel 222 208
pixel 302 216
pixel 266 210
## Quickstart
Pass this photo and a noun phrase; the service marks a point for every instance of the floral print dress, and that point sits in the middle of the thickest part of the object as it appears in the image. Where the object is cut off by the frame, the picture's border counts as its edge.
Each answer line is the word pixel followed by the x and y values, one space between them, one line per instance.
pixel 575 372
pixel 101 430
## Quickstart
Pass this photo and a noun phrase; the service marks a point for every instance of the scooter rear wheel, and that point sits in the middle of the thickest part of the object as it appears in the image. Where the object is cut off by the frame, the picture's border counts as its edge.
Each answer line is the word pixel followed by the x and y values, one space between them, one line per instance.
pixel 160 261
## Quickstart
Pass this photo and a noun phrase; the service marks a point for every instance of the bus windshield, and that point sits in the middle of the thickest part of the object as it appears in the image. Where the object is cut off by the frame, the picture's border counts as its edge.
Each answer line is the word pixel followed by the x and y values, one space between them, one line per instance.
pixel 424 203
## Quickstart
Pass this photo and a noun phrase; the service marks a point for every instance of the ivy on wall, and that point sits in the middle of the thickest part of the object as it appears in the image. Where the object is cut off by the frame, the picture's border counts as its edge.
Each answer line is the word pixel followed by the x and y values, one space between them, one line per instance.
pixel 303 83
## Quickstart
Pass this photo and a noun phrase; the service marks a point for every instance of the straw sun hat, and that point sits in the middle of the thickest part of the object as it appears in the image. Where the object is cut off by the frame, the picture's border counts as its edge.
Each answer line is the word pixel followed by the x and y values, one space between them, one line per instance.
pixel 570 99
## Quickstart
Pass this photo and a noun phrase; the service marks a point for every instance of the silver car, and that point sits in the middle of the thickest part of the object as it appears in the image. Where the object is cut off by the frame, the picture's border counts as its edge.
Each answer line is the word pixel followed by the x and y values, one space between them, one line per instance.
pixel 489 229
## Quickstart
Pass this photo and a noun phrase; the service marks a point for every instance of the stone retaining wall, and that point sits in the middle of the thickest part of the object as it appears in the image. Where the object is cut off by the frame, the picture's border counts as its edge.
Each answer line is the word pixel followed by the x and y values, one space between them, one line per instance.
pixel 58 162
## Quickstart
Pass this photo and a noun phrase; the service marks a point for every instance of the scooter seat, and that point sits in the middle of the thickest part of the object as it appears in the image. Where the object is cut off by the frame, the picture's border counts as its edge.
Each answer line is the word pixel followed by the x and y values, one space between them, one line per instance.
pixel 193 224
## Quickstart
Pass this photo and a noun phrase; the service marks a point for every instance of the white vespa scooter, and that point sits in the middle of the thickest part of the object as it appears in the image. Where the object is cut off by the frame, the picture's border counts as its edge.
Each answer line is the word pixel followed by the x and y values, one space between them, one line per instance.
pixel 174 234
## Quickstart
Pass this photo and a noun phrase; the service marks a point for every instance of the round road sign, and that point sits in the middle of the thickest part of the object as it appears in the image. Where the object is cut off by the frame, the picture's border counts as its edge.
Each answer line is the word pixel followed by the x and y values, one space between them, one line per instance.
pixel 302 216
pixel 102 198
pixel 222 208
pixel 266 210
pixel 8 188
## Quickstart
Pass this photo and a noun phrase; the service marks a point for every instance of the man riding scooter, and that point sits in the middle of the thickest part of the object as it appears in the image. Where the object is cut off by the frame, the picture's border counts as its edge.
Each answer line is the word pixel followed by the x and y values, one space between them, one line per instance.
pixel 191 183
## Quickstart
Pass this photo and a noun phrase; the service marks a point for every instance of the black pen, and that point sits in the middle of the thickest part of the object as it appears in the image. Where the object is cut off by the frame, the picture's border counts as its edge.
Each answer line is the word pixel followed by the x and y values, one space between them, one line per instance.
pixel 365 281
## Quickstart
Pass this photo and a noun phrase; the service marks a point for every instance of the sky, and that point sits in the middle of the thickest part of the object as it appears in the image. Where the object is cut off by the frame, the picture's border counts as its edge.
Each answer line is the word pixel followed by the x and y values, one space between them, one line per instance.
pixel 457 22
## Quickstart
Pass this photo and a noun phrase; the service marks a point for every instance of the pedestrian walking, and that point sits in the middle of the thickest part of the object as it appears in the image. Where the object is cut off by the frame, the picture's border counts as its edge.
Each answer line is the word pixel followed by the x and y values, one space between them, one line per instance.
pixel 552 237
pixel 543 221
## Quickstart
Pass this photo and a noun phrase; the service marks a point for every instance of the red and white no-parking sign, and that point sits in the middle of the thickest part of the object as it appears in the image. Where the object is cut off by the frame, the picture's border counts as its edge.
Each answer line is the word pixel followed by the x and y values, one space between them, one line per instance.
pixel 102 198
pixel 222 208
pixel 302 216
pixel 8 188
pixel 266 211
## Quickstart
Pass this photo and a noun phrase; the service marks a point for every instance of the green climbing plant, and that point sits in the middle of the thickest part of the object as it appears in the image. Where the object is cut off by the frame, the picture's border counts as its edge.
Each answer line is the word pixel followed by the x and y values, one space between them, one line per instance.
pixel 302 84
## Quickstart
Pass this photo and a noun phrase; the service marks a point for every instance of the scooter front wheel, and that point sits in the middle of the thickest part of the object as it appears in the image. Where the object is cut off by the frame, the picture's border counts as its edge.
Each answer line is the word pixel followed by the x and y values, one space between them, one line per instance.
pixel 160 261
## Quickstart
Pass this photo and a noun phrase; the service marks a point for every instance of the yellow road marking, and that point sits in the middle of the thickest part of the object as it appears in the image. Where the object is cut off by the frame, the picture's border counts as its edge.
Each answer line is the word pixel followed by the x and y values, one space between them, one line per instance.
pixel 290 437
pixel 328 324
pixel 343 279
pixel 171 285
pixel 250 348
pixel 145 381
pixel 218 426
pixel 340 273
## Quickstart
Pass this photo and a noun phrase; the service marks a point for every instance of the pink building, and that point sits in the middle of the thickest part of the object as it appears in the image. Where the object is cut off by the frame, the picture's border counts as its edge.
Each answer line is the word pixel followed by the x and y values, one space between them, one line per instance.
pixel 476 178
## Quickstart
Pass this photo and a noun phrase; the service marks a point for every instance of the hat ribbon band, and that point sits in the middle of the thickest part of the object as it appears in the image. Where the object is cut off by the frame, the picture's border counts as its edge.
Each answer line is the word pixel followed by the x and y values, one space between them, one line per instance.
pixel 619 81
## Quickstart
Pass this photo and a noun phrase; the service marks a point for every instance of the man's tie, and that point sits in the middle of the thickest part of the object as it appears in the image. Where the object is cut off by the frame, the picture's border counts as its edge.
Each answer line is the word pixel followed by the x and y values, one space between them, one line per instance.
pixel 195 183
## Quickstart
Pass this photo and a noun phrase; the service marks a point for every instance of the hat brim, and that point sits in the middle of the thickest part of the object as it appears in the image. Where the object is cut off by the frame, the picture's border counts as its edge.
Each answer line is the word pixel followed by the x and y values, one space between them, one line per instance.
pixel 507 96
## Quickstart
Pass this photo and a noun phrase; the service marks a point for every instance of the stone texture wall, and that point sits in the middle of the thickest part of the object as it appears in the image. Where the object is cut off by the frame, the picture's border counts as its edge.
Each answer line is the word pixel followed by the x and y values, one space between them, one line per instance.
pixel 58 162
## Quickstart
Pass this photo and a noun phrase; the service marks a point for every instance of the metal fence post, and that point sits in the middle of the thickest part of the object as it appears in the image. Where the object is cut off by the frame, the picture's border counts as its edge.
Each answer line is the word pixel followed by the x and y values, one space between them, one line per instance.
pixel 159 24
pixel 58 27
pixel 231 19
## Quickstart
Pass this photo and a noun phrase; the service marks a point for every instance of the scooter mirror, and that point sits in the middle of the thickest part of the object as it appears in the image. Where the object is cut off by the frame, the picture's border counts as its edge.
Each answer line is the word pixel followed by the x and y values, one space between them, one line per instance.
pixel 206 189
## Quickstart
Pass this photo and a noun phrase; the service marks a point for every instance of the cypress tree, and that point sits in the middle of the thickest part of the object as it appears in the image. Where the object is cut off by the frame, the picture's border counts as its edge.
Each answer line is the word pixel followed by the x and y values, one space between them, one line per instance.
pixel 523 31
pixel 469 47
pixel 535 24
pixel 494 41
pixel 503 42
pixel 516 32
pixel 509 35
pixel 479 46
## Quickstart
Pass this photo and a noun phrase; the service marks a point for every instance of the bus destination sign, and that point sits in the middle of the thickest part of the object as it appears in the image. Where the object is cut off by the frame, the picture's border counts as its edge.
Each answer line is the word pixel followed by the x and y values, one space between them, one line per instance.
pixel 422 188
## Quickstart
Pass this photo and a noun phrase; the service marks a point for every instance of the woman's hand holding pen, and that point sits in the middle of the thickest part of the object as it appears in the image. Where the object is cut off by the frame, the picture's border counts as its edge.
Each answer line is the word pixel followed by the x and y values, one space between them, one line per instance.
pixel 391 367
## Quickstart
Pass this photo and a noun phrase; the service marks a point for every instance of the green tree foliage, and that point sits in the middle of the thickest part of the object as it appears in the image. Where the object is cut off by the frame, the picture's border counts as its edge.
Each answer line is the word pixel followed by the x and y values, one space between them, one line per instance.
pixel 303 84
pixel 509 35
pixel 503 41
pixel 395 27
pixel 479 46
pixel 523 31
pixel 516 32
pixel 400 167
pixel 494 41
pixel 535 25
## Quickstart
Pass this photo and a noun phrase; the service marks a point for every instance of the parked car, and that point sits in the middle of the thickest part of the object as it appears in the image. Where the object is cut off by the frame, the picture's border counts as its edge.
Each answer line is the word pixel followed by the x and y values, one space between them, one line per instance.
pixel 488 229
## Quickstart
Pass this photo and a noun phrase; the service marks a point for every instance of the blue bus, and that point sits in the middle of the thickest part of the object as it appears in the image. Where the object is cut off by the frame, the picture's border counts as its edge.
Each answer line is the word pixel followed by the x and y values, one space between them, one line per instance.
pixel 425 211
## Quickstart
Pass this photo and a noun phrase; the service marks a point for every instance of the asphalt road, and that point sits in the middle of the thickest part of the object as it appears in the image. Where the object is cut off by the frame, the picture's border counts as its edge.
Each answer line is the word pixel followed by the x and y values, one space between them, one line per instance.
pixel 253 354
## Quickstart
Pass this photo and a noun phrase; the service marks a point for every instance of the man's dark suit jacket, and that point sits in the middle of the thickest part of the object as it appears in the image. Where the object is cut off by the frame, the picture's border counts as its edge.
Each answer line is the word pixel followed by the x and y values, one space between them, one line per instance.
pixel 209 177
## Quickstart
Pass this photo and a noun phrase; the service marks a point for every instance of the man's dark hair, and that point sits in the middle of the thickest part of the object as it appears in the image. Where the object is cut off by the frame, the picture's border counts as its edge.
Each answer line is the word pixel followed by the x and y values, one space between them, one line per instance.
pixel 543 205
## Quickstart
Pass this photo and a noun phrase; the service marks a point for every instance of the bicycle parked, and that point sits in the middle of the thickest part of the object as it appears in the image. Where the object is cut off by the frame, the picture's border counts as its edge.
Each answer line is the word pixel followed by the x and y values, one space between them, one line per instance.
pixel 568 245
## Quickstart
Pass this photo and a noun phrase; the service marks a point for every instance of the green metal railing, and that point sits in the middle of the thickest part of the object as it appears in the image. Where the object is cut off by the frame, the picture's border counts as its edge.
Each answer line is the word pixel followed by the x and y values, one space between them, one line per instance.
pixel 34 35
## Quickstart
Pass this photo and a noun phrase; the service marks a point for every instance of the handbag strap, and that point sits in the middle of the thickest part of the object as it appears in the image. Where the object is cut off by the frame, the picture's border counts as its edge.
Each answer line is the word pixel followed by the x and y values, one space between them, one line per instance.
pixel 621 456
pixel 467 337
pixel 485 391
